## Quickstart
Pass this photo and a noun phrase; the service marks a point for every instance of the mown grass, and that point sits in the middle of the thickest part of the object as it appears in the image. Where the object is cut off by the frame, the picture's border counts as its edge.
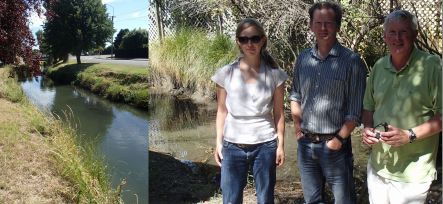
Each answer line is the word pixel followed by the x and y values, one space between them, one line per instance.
pixel 78 165
pixel 120 83
pixel 190 57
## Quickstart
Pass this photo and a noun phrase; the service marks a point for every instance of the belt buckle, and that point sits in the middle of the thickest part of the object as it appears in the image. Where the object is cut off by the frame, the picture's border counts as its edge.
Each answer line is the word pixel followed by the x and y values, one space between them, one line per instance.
pixel 243 146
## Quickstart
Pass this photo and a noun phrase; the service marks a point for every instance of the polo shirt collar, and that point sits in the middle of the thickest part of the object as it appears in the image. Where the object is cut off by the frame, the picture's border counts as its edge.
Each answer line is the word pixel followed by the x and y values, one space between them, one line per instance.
pixel 411 57
pixel 335 50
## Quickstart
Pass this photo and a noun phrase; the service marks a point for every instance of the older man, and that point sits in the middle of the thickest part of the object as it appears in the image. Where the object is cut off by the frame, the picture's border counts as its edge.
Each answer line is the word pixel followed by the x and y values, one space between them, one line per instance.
pixel 403 93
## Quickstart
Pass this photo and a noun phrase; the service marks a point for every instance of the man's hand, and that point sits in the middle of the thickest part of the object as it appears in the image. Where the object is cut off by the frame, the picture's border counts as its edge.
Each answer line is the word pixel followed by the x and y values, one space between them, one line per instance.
pixel 218 154
pixel 395 136
pixel 334 144
pixel 298 133
pixel 280 156
pixel 369 136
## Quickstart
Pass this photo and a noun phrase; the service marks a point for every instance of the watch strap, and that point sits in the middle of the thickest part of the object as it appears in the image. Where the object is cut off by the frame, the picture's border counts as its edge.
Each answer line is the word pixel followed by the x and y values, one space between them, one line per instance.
pixel 341 139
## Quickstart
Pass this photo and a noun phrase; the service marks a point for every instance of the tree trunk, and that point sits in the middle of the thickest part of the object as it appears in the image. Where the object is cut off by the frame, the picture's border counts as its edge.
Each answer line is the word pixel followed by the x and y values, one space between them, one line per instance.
pixel 77 55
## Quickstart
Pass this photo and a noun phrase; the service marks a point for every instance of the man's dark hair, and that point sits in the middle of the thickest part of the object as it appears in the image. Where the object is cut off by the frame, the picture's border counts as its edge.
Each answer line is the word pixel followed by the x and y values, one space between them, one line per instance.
pixel 327 5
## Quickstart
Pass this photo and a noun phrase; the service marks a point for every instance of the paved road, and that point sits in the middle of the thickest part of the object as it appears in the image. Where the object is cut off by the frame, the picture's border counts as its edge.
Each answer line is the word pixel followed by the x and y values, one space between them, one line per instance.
pixel 107 59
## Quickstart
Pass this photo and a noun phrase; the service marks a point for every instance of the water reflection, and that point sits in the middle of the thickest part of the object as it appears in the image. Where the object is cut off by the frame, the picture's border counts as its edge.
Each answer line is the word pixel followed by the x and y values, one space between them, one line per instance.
pixel 119 131
pixel 182 128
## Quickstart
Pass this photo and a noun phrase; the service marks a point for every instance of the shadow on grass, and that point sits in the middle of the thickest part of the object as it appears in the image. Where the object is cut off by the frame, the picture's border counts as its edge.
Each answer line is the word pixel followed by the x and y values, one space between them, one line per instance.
pixel 174 181
pixel 67 73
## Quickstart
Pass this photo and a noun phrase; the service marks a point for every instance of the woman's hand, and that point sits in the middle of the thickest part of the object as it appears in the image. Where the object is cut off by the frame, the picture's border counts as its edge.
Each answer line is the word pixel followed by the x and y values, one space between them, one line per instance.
pixel 218 154
pixel 280 156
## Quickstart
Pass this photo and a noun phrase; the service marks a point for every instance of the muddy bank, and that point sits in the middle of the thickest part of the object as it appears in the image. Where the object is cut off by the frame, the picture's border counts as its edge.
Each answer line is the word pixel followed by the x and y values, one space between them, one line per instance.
pixel 175 181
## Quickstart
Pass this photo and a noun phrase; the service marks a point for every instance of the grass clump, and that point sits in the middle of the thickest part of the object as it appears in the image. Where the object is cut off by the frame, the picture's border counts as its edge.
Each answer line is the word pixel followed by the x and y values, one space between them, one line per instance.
pixel 191 57
pixel 120 83
pixel 42 159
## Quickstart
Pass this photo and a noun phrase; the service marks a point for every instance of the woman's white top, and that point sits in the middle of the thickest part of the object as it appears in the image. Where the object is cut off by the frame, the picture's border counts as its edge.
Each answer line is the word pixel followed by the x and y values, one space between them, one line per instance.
pixel 249 119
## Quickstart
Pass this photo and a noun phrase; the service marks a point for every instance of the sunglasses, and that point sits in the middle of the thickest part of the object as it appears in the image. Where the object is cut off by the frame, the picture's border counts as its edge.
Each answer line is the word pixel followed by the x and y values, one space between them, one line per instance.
pixel 254 39
pixel 377 133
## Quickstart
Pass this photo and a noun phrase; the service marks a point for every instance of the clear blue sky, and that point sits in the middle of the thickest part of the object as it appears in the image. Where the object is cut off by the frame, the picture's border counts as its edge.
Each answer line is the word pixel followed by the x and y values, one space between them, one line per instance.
pixel 130 14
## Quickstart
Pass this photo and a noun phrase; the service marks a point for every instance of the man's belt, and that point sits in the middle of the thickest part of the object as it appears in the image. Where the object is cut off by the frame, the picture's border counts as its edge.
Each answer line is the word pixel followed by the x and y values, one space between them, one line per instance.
pixel 317 138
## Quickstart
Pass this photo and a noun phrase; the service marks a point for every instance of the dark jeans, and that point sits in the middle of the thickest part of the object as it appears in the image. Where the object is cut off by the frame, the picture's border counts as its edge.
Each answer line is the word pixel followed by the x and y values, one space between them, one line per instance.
pixel 235 165
pixel 319 164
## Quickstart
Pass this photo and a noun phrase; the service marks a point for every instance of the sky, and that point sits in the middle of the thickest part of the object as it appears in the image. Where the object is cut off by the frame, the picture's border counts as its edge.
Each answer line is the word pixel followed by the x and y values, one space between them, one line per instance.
pixel 130 14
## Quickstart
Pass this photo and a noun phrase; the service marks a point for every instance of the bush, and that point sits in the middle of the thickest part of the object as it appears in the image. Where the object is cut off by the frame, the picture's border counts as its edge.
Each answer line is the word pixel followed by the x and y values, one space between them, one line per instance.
pixel 132 53
pixel 191 57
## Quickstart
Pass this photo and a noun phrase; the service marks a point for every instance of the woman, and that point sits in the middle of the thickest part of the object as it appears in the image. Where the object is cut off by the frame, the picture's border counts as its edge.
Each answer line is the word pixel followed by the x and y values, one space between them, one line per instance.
pixel 250 119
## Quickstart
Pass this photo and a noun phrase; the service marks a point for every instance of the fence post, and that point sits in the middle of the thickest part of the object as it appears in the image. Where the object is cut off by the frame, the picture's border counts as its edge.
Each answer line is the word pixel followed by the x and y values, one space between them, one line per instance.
pixel 159 20
pixel 220 19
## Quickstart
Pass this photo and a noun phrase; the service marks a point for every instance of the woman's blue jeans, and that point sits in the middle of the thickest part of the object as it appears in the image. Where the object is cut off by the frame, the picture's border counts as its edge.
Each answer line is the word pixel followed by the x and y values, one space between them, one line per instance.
pixel 319 164
pixel 234 170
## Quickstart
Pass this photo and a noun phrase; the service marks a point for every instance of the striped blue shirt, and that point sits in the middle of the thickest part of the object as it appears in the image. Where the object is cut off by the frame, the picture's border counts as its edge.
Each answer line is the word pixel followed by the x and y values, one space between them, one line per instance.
pixel 329 90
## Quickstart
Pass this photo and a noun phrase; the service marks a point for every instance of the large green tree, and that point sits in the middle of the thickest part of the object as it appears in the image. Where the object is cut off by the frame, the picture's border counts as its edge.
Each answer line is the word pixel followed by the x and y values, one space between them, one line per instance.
pixel 119 38
pixel 75 26
pixel 137 38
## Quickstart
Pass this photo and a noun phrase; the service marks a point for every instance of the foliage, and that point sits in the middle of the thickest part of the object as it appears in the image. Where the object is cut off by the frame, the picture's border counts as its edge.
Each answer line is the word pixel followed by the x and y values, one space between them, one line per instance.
pixel 119 37
pixel 137 38
pixel 203 14
pixel 286 23
pixel 190 58
pixel 361 29
pixel 16 39
pixel 74 26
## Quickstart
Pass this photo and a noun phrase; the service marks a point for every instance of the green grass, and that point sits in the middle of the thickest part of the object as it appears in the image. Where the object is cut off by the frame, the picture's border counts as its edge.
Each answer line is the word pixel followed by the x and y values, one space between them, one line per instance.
pixel 120 83
pixel 78 164
pixel 191 57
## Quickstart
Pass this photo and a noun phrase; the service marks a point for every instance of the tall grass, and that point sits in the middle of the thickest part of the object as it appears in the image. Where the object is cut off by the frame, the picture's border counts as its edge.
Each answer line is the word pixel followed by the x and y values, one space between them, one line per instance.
pixel 121 83
pixel 191 57
pixel 77 164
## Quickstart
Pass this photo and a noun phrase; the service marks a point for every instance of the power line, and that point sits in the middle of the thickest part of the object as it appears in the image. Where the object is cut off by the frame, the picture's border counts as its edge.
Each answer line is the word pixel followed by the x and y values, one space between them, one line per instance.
pixel 130 12
pixel 132 18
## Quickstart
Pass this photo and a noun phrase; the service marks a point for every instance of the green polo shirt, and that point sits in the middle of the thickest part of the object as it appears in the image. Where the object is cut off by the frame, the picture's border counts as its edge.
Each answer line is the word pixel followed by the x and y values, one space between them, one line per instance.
pixel 405 99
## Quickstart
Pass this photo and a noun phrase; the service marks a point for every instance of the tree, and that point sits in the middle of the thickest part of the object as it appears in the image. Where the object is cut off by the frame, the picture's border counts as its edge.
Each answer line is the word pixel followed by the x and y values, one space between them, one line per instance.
pixel 16 39
pixel 74 26
pixel 119 38
pixel 137 38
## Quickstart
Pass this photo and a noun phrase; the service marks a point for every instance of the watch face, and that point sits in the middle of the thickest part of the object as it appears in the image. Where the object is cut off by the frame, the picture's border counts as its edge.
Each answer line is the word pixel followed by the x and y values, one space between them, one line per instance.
pixel 412 136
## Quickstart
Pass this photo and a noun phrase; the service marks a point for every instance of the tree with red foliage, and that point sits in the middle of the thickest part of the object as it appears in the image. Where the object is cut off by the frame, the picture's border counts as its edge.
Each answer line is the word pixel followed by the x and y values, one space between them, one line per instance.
pixel 16 39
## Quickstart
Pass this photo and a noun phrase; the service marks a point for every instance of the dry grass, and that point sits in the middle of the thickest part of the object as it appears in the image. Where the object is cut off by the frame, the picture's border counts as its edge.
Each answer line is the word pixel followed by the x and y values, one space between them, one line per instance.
pixel 28 174
pixel 40 161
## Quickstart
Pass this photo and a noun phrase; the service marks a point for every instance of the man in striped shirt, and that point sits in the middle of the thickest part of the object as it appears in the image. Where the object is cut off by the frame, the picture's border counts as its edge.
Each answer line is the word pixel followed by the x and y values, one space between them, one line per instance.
pixel 326 103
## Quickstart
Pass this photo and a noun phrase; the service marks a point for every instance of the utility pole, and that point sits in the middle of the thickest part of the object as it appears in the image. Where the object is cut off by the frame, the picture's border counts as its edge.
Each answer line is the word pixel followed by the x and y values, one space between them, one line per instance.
pixel 112 38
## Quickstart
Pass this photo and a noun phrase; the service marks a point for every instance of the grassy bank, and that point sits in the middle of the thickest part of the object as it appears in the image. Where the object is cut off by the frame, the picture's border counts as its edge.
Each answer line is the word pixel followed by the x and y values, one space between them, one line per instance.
pixel 41 161
pixel 189 58
pixel 120 83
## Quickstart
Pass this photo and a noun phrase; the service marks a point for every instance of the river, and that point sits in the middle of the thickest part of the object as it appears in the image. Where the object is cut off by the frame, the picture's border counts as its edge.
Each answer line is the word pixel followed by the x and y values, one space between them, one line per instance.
pixel 118 131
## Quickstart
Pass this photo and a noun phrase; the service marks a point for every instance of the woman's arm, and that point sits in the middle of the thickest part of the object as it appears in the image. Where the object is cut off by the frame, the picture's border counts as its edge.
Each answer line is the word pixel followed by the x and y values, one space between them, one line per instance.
pixel 220 123
pixel 279 121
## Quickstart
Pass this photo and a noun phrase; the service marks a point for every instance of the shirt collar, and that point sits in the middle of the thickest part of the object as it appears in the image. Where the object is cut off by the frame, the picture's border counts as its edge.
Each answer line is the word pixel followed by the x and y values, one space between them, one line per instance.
pixel 391 66
pixel 335 50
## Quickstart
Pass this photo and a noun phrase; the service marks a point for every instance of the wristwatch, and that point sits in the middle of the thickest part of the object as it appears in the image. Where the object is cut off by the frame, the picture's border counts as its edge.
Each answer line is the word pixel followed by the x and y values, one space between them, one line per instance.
pixel 412 136
pixel 341 139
